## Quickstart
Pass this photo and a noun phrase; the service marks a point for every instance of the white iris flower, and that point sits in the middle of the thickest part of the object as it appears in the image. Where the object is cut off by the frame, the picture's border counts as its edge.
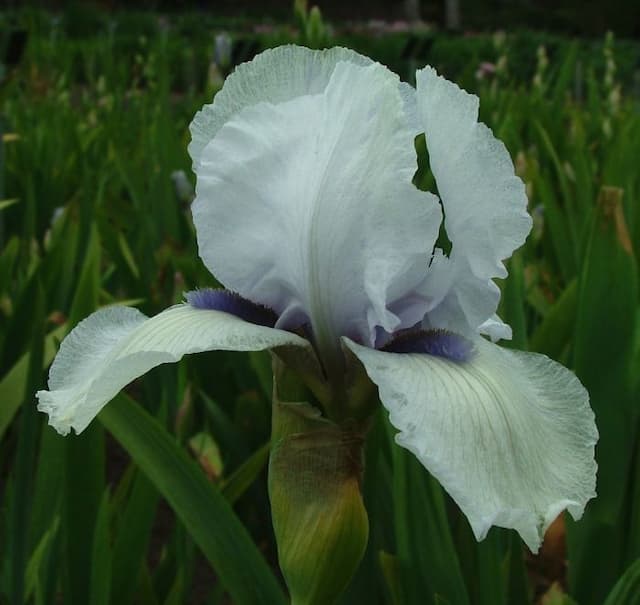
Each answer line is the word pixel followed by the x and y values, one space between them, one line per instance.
pixel 306 210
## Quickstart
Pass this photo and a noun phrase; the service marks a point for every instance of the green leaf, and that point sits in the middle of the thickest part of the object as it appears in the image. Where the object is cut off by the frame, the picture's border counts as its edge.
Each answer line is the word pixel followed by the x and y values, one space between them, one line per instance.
pixel 565 74
pixel 512 303
pixel 261 363
pixel 553 334
pixel 84 484
pixel 25 457
pixel 144 588
pixel 205 513
pixel 176 594
pixel 38 559
pixel 243 477
pixel 627 588
pixel 85 300
pixel 13 386
pixel 47 490
pixel 8 259
pixel 226 433
pixel 128 255
pixel 85 457
pixel 101 556
pixel 560 248
pixel 425 549
pixel 4 204
pixel 633 503
pixel 604 342
pixel 134 531
pixel 391 571
pixel 494 567
pixel 517 579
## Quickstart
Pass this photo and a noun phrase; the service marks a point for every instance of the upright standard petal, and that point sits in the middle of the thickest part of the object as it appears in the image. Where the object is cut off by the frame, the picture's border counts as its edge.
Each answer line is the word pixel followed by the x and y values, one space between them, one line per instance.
pixel 461 302
pixel 276 75
pixel 110 348
pixel 509 435
pixel 484 202
pixel 308 207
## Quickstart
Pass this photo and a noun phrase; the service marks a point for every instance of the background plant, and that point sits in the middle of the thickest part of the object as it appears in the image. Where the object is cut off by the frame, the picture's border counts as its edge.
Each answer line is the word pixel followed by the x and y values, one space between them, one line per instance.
pixel 165 501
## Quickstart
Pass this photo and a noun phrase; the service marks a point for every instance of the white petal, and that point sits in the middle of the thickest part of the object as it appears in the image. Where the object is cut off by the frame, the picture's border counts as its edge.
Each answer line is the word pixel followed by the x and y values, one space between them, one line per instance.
pixel 484 202
pixel 509 435
pixel 308 206
pixel 115 345
pixel 277 75
pixel 496 329
pixel 461 302
pixel 410 104
pixel 274 76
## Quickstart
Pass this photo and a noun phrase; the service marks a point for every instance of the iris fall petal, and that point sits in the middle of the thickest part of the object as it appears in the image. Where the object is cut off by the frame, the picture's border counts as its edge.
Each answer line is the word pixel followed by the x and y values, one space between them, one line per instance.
pixel 115 345
pixel 509 435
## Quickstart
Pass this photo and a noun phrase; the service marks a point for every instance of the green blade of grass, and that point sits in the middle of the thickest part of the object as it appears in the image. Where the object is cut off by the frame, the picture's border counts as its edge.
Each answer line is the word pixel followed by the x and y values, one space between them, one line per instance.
pixel 604 341
pixel 101 556
pixel 428 561
pixel 4 204
pixel 627 588
pixel 85 456
pixel 512 304
pixel 243 477
pixel 14 386
pixel 204 511
pixel 25 457
pixel 39 558
pixel 133 537
pixel 553 334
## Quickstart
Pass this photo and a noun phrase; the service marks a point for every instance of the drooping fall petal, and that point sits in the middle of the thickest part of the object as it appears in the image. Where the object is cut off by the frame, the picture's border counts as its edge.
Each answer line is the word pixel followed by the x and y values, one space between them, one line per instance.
pixel 509 435
pixel 115 345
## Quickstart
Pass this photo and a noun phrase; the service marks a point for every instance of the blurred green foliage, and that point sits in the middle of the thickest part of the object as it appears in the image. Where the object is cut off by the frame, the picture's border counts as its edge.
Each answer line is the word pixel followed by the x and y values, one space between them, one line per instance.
pixel 95 125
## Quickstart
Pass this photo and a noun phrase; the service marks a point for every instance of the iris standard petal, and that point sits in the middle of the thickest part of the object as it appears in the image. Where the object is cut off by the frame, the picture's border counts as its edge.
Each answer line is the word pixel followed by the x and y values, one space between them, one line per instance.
pixel 496 329
pixel 308 207
pixel 274 76
pixel 115 345
pixel 461 302
pixel 509 435
pixel 484 201
pixel 277 75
